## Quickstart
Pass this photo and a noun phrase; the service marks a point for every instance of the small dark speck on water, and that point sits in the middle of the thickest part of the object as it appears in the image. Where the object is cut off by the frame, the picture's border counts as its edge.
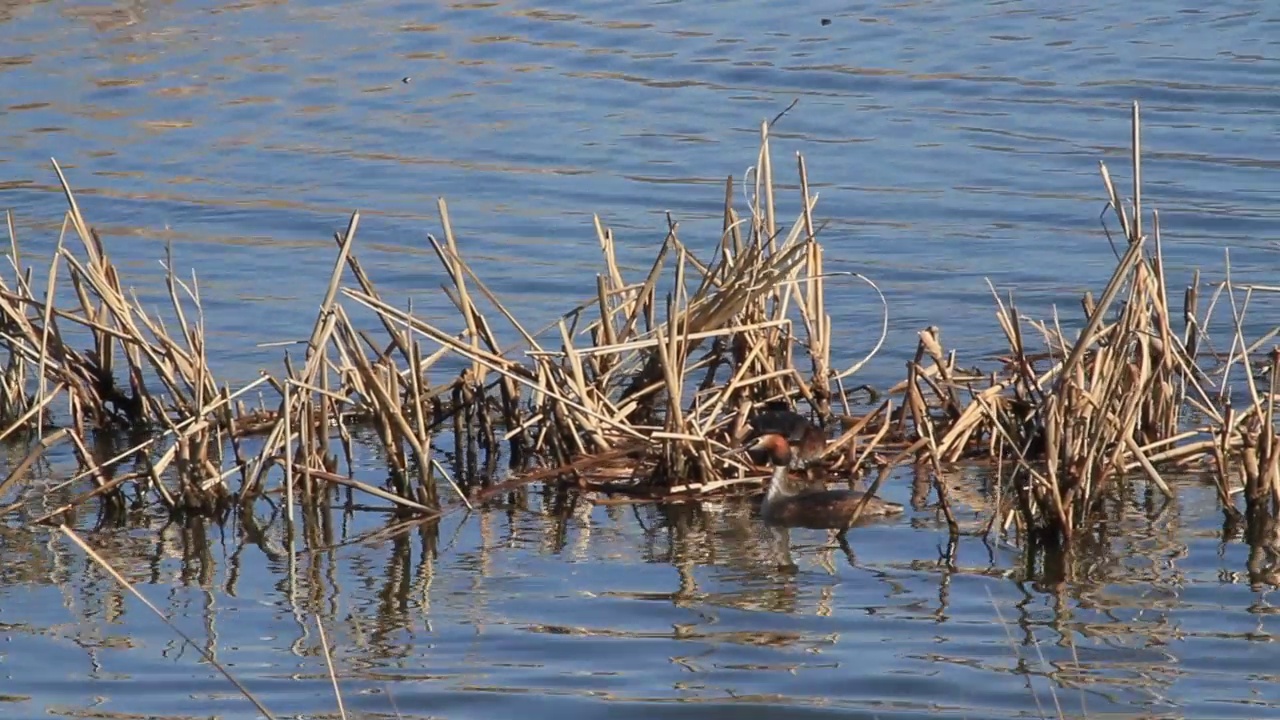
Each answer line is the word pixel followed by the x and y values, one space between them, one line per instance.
pixel 405 79
pixel 826 21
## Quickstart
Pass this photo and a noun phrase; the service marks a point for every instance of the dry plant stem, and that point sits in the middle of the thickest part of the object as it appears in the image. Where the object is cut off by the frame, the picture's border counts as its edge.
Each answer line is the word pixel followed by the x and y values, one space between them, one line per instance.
pixel 469 314
pixel 1136 155
pixel 331 292
pixel 288 455
pixel 449 257
pixel 38 408
pixel 871 491
pixel 846 441
pixel 44 337
pixel 20 470
pixel 375 491
pixel 652 342
pixel 84 497
pixel 1014 646
pixel 548 473
pixel 93 555
pixel 86 459
pixel 15 257
pixel 1147 467
pixel 1086 339
pixel 328 661
pixel 367 286
pixel 440 469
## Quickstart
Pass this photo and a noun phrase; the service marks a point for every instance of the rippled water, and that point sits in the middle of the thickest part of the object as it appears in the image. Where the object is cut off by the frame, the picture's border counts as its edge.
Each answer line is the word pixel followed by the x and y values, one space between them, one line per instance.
pixel 950 141
pixel 543 610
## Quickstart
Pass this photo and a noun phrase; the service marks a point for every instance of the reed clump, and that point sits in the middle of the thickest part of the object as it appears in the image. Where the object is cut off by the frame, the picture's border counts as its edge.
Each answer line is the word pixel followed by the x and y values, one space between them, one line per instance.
pixel 137 376
pixel 1110 403
pixel 652 380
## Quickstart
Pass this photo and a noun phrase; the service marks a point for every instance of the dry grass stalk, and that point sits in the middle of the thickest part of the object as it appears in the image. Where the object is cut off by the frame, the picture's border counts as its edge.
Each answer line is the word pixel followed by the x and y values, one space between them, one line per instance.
pixel 328 663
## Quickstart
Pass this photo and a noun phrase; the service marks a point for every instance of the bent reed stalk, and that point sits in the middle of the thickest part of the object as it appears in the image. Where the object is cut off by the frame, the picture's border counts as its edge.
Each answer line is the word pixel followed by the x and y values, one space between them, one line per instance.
pixel 645 388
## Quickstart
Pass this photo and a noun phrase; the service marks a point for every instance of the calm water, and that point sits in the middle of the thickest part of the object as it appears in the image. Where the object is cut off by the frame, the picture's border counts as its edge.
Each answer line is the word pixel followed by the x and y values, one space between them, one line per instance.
pixel 950 141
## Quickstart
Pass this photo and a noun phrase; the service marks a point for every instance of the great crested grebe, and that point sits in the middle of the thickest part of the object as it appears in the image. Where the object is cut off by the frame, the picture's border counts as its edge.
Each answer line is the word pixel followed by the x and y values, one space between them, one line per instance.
pixel 788 506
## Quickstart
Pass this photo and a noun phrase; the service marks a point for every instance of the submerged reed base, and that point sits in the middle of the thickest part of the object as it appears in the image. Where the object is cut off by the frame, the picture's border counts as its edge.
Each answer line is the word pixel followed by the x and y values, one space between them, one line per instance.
pixel 643 392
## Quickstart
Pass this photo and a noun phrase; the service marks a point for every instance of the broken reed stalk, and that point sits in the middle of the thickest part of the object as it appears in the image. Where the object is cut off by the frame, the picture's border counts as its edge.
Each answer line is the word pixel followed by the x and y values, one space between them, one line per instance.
pixel 328 663
pixel 115 575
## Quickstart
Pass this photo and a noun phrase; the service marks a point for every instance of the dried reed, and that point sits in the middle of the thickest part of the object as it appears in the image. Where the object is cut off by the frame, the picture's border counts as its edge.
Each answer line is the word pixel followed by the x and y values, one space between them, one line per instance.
pixel 120 579
pixel 637 389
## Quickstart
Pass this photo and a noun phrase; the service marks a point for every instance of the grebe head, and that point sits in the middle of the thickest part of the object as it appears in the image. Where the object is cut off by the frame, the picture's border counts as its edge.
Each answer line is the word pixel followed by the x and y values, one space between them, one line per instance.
pixel 779 451
pixel 777 447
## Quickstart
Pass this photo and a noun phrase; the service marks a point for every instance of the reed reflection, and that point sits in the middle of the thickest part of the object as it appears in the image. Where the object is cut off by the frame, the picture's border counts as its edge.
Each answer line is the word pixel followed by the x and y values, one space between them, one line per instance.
pixel 1101 623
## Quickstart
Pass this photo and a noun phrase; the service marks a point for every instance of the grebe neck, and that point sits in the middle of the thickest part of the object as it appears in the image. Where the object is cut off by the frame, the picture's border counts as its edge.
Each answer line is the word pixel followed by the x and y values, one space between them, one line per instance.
pixel 779 485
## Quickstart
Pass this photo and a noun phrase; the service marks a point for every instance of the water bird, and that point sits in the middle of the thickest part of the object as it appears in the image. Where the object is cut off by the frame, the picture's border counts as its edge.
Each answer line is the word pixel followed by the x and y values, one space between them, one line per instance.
pixel 789 506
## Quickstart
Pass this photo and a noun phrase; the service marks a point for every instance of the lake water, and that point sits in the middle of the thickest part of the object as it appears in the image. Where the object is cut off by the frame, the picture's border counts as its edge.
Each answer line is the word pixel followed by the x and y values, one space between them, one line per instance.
pixel 950 141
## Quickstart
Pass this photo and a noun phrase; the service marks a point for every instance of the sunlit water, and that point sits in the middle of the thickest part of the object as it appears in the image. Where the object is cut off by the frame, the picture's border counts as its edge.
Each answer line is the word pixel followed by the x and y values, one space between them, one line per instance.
pixel 950 142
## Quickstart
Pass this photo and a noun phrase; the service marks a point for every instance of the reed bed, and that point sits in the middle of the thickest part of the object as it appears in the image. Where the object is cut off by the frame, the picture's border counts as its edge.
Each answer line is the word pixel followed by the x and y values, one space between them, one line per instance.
pixel 137 377
pixel 644 391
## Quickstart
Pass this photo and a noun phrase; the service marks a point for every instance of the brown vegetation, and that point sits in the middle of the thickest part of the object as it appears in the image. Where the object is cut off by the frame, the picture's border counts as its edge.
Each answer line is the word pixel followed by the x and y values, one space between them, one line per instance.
pixel 640 391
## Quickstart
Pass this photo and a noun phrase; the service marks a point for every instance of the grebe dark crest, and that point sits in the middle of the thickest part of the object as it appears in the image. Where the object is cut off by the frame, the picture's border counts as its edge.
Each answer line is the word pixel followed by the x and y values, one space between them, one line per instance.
pixel 785 504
